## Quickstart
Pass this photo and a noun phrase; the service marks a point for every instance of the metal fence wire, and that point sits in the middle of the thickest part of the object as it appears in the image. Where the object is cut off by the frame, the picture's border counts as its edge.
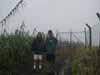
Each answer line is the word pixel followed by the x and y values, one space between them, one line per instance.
pixel 72 39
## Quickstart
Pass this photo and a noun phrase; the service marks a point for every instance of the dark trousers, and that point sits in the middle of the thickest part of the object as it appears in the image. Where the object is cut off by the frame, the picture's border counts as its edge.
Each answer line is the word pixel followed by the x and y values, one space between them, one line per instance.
pixel 51 60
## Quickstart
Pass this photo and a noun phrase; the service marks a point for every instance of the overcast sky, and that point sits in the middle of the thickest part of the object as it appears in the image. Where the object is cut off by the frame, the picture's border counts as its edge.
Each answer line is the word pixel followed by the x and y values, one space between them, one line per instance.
pixel 61 15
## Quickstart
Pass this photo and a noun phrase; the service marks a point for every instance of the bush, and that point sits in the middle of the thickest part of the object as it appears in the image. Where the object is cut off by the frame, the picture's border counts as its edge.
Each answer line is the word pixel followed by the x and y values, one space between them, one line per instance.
pixel 85 62
pixel 15 53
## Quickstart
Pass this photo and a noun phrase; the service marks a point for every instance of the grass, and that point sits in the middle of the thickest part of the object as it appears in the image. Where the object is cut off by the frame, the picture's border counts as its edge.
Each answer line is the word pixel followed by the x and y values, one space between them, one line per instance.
pixel 15 53
pixel 85 62
pixel 16 57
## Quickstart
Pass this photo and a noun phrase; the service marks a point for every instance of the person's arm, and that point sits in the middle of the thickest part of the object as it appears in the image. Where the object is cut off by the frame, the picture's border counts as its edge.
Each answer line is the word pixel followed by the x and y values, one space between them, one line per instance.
pixel 33 45
pixel 45 45
pixel 56 43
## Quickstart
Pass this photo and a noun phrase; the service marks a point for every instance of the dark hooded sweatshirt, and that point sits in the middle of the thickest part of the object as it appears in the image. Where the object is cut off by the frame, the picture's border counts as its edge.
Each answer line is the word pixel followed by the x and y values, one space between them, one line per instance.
pixel 38 45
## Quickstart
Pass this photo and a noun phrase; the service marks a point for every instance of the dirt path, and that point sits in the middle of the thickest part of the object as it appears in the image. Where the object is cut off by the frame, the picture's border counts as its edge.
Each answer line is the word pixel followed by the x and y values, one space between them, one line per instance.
pixel 66 69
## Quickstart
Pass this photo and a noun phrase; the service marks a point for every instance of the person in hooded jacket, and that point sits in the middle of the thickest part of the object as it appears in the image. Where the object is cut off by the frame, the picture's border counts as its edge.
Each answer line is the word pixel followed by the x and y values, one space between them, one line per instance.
pixel 37 51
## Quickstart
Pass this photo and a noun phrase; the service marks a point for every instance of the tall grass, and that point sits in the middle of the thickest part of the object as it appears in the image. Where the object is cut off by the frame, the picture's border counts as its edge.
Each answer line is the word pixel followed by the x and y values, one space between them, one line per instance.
pixel 85 62
pixel 15 53
pixel 16 56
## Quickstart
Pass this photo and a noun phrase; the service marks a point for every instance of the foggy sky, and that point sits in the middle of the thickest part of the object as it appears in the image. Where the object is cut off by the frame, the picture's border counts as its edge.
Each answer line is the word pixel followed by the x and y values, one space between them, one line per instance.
pixel 61 15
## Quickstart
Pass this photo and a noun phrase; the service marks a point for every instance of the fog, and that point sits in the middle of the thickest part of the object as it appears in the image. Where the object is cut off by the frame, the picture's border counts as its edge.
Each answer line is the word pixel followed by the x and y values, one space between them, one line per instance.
pixel 60 15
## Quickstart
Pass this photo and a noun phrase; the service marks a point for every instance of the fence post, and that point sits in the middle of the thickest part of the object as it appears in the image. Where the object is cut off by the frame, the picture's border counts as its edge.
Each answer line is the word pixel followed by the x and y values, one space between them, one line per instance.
pixel 71 39
pixel 98 15
pixel 85 38
pixel 90 35
pixel 57 34
pixel 2 28
pixel 99 39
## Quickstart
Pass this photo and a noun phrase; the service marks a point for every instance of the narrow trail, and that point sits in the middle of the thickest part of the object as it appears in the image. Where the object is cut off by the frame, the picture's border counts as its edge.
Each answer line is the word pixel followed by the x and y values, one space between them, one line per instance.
pixel 66 69
pixel 63 66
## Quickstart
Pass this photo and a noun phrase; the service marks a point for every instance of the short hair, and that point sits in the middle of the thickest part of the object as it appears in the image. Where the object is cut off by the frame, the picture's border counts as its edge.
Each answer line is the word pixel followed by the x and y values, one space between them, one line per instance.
pixel 50 31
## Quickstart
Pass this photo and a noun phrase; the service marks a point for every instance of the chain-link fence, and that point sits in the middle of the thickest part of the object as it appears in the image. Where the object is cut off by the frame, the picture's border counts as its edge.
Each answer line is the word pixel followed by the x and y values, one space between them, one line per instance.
pixel 71 39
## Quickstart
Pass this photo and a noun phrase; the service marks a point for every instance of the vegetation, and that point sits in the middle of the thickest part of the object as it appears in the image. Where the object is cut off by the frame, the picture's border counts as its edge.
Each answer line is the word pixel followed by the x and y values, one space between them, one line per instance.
pixel 15 53
pixel 16 56
pixel 85 62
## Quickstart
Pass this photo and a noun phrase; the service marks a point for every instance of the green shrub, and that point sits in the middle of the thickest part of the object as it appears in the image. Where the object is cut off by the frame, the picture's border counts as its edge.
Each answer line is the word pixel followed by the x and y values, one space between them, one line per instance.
pixel 85 62
pixel 15 52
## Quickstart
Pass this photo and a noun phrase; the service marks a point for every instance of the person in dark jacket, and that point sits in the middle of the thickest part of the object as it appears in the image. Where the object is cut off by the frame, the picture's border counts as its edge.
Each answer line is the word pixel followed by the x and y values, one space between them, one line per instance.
pixel 37 50
pixel 51 45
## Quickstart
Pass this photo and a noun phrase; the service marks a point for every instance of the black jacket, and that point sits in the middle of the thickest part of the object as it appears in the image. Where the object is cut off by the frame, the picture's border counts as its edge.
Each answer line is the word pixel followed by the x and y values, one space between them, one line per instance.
pixel 38 46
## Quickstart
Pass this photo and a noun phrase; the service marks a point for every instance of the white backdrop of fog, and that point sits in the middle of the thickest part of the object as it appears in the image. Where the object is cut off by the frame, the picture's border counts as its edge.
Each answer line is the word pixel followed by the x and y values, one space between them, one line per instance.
pixel 61 15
